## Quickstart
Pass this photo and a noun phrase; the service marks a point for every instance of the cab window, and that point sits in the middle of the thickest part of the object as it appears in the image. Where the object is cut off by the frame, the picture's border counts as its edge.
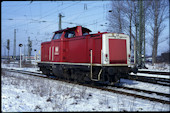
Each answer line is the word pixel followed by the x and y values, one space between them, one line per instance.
pixel 85 33
pixel 70 34
pixel 57 36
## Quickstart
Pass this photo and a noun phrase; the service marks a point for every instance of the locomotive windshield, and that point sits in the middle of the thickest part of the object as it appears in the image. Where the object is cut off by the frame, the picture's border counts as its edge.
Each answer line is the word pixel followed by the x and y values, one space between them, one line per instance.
pixel 57 36
pixel 70 34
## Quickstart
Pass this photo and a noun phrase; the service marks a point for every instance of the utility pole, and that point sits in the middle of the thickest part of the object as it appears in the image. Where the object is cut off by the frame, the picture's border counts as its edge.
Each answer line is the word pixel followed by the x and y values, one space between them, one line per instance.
pixel 8 47
pixel 135 52
pixel 24 52
pixel 141 42
pixel 14 52
pixel 4 51
pixel 140 33
pixel 29 47
pixel 136 39
pixel 60 16
pixel 144 36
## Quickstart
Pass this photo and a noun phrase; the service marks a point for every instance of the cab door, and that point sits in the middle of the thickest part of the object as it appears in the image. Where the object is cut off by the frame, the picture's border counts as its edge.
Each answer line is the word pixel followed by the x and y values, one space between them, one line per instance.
pixel 55 48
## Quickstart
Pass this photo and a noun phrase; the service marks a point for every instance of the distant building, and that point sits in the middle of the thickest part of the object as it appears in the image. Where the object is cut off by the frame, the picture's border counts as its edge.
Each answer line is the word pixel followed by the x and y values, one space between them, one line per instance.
pixel 165 57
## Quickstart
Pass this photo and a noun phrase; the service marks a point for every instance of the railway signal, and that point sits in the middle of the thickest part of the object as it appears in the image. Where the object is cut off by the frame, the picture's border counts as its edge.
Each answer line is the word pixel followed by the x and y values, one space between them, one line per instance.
pixel 35 54
pixel 20 45
pixel 8 42
pixel 60 16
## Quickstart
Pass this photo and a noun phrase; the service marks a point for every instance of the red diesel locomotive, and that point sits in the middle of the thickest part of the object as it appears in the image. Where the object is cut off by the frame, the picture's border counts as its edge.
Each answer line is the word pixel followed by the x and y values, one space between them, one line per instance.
pixel 75 54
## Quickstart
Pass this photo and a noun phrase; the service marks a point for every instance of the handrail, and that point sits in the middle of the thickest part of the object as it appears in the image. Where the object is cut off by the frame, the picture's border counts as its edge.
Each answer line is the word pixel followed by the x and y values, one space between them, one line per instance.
pixel 91 67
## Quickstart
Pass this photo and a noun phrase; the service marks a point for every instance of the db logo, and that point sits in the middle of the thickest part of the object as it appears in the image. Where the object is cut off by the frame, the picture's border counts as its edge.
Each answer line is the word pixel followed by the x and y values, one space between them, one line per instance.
pixel 56 51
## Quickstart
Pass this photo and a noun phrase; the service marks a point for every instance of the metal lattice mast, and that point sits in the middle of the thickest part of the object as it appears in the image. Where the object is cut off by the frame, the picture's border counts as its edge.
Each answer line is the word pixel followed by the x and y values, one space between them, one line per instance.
pixel 60 16
pixel 14 51
pixel 29 47
pixel 8 47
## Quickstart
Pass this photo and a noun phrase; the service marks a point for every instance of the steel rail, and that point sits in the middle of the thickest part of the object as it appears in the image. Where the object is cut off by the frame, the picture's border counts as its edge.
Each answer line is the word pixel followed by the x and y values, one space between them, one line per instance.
pixel 142 90
pixel 153 80
pixel 154 72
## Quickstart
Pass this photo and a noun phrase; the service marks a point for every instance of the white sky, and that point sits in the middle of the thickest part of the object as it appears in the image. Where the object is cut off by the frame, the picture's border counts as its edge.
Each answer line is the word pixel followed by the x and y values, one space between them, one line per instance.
pixel 28 18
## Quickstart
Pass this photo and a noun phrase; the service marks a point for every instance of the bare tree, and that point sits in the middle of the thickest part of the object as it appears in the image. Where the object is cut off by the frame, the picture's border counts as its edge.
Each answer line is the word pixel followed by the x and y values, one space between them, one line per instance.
pixel 159 13
pixel 116 17
pixel 125 18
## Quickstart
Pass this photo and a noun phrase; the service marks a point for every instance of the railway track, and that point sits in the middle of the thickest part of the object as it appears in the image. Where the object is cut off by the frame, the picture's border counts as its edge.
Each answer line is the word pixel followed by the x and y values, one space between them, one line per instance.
pixel 141 90
pixel 154 72
pixel 153 80
pixel 37 74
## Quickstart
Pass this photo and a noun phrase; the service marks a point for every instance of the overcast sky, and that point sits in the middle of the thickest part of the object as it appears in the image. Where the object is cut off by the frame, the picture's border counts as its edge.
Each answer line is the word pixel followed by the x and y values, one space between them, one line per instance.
pixel 38 20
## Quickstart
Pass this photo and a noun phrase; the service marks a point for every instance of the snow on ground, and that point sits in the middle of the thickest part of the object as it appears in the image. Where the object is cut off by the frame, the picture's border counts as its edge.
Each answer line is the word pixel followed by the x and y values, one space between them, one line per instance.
pixel 22 93
pixel 164 67
pixel 14 65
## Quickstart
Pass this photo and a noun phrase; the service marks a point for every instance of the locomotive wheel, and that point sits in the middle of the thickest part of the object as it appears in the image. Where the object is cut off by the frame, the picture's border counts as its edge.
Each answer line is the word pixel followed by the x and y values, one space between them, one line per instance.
pixel 77 76
pixel 66 74
pixel 45 71
pixel 81 78
pixel 116 78
pixel 72 73
pixel 113 78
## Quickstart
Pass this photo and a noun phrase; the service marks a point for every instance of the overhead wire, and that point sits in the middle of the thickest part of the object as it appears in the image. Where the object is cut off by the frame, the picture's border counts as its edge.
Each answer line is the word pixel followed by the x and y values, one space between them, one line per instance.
pixel 31 20
pixel 63 8
pixel 46 15
pixel 82 12
pixel 14 10
pixel 60 9
pixel 63 22
pixel 82 17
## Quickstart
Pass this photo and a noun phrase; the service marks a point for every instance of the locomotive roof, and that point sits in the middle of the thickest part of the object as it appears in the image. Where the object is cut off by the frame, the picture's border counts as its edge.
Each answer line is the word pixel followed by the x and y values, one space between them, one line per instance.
pixel 72 29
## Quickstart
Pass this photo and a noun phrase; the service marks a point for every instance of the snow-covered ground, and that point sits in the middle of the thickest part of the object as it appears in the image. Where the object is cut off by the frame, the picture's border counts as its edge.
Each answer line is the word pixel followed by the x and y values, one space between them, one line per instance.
pixel 164 67
pixel 161 67
pixel 24 93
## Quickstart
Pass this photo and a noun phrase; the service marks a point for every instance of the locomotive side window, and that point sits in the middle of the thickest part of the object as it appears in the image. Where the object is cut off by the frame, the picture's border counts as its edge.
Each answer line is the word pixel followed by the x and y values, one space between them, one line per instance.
pixel 57 36
pixel 70 34
pixel 85 33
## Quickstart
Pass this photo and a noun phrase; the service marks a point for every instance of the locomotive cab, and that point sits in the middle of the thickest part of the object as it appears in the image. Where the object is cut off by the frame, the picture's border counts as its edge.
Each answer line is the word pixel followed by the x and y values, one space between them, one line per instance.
pixel 71 32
